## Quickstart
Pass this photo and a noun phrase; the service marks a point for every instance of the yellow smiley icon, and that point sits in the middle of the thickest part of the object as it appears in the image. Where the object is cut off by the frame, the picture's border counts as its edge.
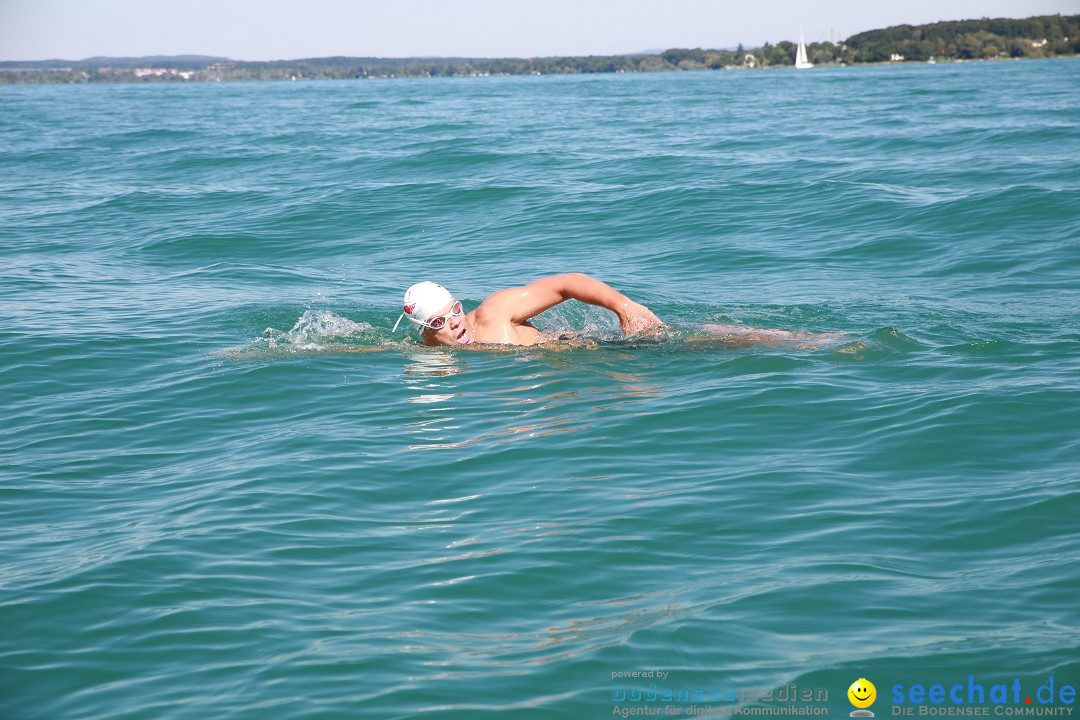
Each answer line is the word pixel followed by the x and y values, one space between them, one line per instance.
pixel 862 693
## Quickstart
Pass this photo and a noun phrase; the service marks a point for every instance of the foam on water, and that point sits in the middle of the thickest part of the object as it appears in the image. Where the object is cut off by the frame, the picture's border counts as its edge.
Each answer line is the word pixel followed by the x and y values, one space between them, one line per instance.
pixel 314 330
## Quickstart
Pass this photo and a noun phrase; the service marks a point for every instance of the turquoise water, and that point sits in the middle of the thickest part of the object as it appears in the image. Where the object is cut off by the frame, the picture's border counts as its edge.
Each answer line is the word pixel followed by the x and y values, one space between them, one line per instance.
pixel 215 505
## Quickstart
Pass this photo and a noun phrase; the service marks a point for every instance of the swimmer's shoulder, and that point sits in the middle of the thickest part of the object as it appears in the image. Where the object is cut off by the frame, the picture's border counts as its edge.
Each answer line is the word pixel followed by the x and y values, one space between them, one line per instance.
pixel 499 305
pixel 500 309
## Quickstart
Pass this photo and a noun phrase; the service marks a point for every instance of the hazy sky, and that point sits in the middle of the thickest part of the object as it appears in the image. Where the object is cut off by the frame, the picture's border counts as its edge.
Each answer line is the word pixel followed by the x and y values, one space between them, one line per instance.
pixel 287 29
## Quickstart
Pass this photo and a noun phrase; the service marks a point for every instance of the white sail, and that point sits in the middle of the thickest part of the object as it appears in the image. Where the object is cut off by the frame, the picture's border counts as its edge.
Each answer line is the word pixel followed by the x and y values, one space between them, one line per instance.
pixel 800 56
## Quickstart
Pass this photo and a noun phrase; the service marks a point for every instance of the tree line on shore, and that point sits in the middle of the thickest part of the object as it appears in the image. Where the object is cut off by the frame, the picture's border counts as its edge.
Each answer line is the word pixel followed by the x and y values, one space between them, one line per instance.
pixel 1044 36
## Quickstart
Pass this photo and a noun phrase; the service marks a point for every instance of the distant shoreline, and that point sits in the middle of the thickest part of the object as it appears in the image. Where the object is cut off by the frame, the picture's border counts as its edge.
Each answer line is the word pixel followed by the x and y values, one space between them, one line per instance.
pixel 26 77
pixel 1040 37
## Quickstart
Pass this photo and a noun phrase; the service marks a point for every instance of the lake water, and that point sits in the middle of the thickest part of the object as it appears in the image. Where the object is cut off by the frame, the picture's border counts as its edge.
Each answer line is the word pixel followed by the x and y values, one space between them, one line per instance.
pixel 216 502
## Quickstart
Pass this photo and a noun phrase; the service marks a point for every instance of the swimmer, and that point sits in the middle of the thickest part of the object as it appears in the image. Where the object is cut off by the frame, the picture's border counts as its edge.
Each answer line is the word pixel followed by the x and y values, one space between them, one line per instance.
pixel 503 318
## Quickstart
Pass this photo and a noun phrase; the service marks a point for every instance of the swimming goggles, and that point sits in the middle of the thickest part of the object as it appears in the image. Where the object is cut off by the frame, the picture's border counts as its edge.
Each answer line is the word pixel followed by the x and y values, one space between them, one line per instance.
pixel 439 321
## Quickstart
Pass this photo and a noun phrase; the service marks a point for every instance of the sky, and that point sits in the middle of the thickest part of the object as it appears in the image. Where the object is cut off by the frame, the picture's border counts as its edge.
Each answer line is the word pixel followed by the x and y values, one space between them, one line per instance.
pixel 290 29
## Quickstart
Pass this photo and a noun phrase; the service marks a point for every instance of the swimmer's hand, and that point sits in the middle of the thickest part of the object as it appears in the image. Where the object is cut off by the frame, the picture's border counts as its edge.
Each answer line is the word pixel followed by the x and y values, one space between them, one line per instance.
pixel 637 319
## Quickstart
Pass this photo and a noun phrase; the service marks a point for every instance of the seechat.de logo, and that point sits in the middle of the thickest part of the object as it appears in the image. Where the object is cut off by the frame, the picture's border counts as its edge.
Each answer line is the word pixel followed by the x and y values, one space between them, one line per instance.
pixel 862 695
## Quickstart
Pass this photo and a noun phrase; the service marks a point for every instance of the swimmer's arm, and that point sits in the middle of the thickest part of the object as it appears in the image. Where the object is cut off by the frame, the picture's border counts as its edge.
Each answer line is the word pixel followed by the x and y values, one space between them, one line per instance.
pixel 522 303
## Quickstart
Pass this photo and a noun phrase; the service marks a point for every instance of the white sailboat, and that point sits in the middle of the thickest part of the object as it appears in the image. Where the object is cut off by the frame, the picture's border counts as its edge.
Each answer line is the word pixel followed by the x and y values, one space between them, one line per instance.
pixel 801 63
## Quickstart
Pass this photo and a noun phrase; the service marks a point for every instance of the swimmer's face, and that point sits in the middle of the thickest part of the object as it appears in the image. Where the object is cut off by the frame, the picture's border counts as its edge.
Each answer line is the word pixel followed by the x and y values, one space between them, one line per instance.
pixel 456 330
pixel 862 693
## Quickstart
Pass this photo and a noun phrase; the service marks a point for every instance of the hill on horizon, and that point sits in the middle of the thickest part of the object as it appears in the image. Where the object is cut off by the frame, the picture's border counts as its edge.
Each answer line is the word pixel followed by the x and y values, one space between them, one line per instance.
pixel 179 62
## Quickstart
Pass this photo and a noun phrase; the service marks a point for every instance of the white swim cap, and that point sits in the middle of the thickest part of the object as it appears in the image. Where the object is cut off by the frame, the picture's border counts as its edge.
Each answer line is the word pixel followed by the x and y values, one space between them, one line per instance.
pixel 423 300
